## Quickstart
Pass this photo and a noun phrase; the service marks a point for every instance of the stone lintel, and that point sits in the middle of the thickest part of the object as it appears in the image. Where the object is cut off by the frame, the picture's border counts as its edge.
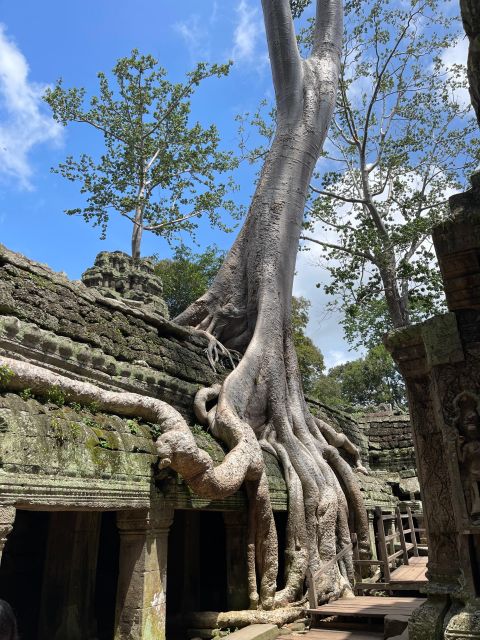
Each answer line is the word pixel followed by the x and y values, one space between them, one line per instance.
pixel 419 348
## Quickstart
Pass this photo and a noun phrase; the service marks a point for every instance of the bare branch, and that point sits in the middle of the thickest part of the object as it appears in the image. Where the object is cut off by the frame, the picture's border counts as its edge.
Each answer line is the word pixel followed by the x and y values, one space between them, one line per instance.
pixel 328 245
pixel 336 196
pixel 157 227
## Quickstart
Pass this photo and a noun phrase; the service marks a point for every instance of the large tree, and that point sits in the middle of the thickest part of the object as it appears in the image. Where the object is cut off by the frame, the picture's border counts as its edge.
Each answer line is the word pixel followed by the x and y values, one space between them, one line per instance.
pixel 402 141
pixel 260 404
pixel 248 308
pixel 158 169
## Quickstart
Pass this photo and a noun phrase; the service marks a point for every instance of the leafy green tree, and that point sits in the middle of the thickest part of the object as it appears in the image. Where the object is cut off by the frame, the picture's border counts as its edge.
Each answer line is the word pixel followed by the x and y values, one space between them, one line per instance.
pixel 187 275
pixel 363 383
pixel 403 140
pixel 158 170
pixel 310 358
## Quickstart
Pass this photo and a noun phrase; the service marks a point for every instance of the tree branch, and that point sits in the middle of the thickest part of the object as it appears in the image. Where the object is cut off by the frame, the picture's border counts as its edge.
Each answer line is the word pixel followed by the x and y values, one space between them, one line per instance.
pixel 285 58
pixel 359 254
pixel 329 194
pixel 328 34
pixel 157 227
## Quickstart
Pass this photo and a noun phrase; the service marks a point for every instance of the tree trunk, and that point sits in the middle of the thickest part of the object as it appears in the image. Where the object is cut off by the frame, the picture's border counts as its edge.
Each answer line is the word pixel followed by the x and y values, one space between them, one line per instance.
pixel 248 308
pixel 396 302
pixel 137 233
pixel 261 404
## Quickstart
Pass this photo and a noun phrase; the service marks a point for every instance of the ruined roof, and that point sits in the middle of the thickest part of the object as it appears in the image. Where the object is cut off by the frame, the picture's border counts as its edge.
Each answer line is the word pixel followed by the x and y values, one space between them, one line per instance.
pixel 74 456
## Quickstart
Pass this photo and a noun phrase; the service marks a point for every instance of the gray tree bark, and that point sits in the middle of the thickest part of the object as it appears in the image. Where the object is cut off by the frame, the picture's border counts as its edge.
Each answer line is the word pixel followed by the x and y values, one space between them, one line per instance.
pixel 248 309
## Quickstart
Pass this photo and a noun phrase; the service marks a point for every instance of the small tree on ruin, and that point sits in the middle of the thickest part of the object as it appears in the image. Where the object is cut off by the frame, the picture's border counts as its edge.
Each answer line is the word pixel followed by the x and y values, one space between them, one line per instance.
pixel 158 170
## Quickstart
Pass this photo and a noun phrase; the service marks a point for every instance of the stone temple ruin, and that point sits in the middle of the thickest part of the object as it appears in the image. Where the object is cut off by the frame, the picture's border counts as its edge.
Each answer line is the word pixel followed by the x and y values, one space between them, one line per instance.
pixel 95 540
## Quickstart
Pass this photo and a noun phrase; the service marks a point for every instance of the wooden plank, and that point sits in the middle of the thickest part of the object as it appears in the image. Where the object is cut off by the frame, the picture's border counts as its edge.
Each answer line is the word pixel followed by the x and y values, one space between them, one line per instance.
pixel 411 573
pixel 369 606
pixel 419 560
pixel 412 530
pixel 342 634
pixel 402 536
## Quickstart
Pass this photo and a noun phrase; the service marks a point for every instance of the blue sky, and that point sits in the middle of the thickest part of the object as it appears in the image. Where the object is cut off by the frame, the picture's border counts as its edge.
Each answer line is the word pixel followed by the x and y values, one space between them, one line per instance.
pixel 42 41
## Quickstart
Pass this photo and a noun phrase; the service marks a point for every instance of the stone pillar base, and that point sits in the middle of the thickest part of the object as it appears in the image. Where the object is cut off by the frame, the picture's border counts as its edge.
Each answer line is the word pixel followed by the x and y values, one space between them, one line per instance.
pixel 426 622
pixel 464 625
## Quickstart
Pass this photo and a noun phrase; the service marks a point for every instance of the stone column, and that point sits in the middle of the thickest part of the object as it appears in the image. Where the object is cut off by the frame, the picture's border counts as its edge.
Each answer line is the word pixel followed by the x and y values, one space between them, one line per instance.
pixel 141 593
pixel 68 594
pixel 236 549
pixel 7 518
pixel 440 361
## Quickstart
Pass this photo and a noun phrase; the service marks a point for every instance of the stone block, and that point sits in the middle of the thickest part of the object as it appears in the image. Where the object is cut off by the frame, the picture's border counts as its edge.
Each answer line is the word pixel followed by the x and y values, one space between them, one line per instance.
pixel 402 636
pixel 255 632
pixel 394 625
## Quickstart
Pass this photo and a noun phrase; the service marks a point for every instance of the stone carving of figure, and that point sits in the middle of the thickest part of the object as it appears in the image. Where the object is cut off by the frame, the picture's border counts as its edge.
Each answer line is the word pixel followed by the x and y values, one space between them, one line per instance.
pixel 467 422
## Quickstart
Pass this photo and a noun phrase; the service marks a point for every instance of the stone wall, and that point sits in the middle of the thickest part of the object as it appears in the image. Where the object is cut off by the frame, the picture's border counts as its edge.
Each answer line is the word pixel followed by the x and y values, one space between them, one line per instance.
pixel 60 456
pixel 68 327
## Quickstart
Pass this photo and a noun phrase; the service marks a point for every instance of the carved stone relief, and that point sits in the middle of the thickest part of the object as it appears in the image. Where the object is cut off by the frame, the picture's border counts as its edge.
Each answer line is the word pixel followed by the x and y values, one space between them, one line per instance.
pixel 467 424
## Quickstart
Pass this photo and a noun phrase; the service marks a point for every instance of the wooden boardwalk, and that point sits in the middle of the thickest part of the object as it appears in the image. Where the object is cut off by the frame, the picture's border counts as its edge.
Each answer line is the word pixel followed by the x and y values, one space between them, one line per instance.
pixel 359 618
pixel 368 607
pixel 411 576
pixel 344 634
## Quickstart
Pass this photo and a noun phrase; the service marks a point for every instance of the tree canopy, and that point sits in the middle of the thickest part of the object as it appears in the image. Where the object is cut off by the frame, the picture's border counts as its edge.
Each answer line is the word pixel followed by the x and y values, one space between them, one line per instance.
pixel 363 384
pixel 158 169
pixel 187 275
pixel 403 140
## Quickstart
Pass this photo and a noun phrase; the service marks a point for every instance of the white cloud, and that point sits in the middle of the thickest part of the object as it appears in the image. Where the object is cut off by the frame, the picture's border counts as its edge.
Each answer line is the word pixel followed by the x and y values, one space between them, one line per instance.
pixel 324 326
pixel 334 358
pixel 24 121
pixel 196 38
pixel 249 31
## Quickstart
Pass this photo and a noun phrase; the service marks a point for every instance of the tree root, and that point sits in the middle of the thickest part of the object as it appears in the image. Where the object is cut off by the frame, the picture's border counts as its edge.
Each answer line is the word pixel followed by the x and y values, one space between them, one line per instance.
pixel 232 619
pixel 216 350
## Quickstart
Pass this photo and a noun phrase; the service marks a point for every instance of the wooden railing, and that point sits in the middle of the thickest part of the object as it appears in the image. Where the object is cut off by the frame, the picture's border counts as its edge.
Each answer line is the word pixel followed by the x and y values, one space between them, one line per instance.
pixel 390 542
pixel 386 561
pixel 312 576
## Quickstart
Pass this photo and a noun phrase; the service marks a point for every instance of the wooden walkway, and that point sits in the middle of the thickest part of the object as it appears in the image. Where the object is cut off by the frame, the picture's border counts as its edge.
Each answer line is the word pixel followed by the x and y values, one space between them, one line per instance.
pixel 368 607
pixel 411 576
pixel 344 634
